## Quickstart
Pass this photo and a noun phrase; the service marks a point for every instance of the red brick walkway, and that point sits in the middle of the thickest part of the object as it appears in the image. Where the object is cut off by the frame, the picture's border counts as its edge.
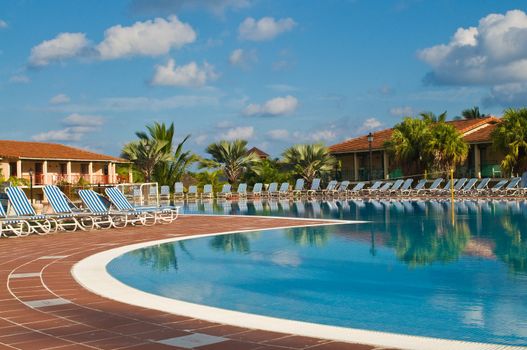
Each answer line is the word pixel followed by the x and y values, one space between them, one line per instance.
pixel 35 272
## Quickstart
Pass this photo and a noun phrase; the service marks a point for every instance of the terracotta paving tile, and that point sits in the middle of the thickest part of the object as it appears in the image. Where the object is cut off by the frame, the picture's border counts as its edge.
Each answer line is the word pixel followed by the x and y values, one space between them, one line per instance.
pixel 152 346
pixel 258 336
pixel 116 343
pixel 161 334
pixel 222 330
pixel 40 343
pixel 191 325
pixel 341 346
pixel 230 345
pixel 297 342
pixel 68 330
pixel 85 337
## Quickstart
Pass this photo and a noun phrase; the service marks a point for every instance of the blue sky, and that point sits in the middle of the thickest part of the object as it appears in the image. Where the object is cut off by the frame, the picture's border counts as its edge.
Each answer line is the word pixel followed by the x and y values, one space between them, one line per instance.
pixel 91 73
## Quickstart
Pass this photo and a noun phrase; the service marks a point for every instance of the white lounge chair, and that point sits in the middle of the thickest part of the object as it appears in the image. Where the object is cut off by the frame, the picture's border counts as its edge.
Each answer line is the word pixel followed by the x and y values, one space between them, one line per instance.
pixel 40 224
pixel 179 191
pixel 298 190
pixel 225 191
pixel 257 190
pixel 207 193
pixel 192 193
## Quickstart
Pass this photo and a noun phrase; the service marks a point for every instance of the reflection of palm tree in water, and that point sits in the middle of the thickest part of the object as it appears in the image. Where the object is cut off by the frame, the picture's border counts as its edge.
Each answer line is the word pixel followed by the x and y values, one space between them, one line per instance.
pixel 511 247
pixel 308 236
pixel 160 257
pixel 236 242
pixel 427 242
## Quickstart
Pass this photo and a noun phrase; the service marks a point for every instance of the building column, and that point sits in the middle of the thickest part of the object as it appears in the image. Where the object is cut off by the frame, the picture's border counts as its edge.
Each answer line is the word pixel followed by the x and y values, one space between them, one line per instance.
pixel 68 171
pixel 19 169
pixel 477 162
pixel 90 172
pixel 130 174
pixel 385 165
pixel 111 173
pixel 355 167
pixel 45 173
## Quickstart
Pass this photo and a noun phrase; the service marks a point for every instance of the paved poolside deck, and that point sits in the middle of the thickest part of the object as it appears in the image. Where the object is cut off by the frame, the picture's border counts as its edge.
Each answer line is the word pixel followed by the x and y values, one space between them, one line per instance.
pixel 43 307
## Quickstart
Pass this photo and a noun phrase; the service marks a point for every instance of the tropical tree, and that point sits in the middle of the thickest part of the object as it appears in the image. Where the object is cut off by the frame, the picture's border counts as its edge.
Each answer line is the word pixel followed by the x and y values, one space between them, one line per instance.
pixel 472 113
pixel 431 117
pixel 209 177
pixel 407 145
pixel 309 160
pixel 231 157
pixel 153 154
pixel 446 147
pixel 267 171
pixel 510 137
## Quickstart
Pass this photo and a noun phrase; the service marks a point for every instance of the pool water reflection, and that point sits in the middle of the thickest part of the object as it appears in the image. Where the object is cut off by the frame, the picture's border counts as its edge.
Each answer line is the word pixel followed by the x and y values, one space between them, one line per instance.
pixel 410 270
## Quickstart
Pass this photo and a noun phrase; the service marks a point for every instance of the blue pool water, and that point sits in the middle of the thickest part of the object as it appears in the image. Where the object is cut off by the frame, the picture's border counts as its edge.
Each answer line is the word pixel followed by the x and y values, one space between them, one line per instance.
pixel 411 270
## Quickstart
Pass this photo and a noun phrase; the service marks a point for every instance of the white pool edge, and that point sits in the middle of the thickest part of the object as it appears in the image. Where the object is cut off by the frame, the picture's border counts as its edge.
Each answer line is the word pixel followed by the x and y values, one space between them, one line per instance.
pixel 91 274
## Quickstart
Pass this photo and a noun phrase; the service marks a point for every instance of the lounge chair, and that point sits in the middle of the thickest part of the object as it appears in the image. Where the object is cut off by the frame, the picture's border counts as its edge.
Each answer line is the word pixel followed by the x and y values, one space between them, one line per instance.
pixel 152 195
pixel 137 196
pixel 497 187
pixel 40 224
pixel 356 190
pixel 373 188
pixel 443 190
pixel 13 226
pixel 459 185
pixel 512 187
pixel 241 192
pixel 165 214
pixel 467 189
pixel 330 188
pixel 395 187
pixel 342 189
pixel 283 191
pixel 481 187
pixel 225 191
pixel 433 187
pixel 164 193
pixel 419 187
pixel 208 191
pixel 299 187
pixel 315 187
pixel 61 205
pixel 257 190
pixel 118 219
pixel 179 191
pixel 383 190
pixel 192 193
pixel 405 187
pixel 272 190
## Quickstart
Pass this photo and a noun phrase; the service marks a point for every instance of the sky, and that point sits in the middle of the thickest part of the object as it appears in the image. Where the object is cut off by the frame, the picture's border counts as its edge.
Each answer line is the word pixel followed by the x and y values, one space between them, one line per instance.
pixel 276 73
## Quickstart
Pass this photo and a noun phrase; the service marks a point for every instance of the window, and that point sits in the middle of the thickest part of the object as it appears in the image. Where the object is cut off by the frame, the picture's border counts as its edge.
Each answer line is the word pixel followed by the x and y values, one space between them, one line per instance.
pixel 84 169
pixel 63 169
pixel 12 169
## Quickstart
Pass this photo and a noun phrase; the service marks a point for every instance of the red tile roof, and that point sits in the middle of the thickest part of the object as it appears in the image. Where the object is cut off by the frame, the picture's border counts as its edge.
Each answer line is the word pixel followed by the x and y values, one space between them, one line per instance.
pixel 258 152
pixel 475 130
pixel 41 150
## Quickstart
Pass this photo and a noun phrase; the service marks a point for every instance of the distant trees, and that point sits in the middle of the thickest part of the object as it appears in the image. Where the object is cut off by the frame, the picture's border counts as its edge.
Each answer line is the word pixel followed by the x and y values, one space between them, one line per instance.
pixel 510 137
pixel 309 160
pixel 472 113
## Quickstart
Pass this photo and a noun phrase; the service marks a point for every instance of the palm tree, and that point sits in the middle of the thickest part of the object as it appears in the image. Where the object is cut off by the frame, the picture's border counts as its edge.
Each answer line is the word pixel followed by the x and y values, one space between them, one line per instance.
pixel 309 160
pixel 510 137
pixel 146 154
pixel 171 171
pixel 407 145
pixel 431 117
pixel 446 147
pixel 267 171
pixel 231 157
pixel 472 113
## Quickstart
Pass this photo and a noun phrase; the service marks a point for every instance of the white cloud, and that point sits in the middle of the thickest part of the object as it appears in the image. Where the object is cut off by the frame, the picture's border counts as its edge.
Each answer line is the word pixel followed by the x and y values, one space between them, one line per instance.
pixel 59 99
pixel 369 124
pixel 273 107
pixel 188 75
pixel 63 46
pixel 243 58
pixel 201 140
pixel 325 135
pixel 76 127
pixel 3 24
pixel 19 79
pixel 216 7
pixel 149 38
pixel 507 95
pixel 494 52
pixel 266 28
pixel 402 111
pixel 240 132
pixel 278 134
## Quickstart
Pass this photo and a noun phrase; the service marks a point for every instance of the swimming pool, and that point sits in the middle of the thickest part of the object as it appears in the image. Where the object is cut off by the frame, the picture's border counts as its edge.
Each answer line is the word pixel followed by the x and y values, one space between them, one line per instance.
pixel 410 271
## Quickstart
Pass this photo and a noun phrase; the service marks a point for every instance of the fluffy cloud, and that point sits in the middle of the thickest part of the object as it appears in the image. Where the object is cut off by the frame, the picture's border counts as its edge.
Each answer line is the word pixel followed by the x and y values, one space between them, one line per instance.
pixel 63 46
pixel 19 79
pixel 510 95
pixel 3 24
pixel 278 134
pixel 149 38
pixel 323 135
pixel 240 132
pixel 273 107
pixel 369 124
pixel 188 75
pixel 59 99
pixel 402 111
pixel 242 58
pixel 494 52
pixel 76 126
pixel 266 28
pixel 216 7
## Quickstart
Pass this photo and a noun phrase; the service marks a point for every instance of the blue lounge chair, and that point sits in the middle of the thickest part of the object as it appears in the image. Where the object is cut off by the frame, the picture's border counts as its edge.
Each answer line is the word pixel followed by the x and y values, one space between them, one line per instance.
pixel 406 186
pixel 12 226
pixel 419 187
pixel 165 214
pixel 242 190
pixel 283 190
pixel 512 187
pixel 257 190
pixel 356 190
pixel 225 191
pixel 395 187
pixel 482 187
pixel 469 186
pixel 179 191
pixel 298 190
pixel 342 189
pixel 332 185
pixel 61 205
pixel 40 224
pixel 315 187
pixel 208 191
pixel 272 190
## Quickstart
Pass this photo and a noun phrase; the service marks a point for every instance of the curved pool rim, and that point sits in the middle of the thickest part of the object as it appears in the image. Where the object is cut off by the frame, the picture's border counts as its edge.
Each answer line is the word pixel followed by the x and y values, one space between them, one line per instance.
pixel 91 274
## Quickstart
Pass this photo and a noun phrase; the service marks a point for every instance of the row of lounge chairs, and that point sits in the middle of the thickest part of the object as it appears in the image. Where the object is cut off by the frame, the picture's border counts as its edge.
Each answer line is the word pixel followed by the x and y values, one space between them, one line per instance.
pixel 98 212
pixel 461 187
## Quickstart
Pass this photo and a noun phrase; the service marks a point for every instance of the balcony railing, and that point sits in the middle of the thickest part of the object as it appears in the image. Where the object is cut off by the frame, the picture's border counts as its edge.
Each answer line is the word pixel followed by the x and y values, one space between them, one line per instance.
pixel 54 179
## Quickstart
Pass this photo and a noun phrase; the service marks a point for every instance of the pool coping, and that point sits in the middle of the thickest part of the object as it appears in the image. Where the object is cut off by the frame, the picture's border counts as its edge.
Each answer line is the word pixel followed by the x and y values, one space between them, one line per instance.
pixel 91 273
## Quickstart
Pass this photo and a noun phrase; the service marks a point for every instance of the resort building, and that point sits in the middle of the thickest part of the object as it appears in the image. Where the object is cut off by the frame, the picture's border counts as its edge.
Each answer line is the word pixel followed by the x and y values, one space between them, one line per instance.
pixel 259 153
pixel 354 154
pixel 50 163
